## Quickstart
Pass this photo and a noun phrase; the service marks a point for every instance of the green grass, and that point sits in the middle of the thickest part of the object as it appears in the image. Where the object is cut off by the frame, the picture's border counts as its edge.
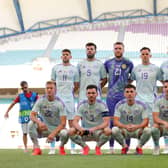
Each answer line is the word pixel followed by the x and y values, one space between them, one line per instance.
pixel 18 159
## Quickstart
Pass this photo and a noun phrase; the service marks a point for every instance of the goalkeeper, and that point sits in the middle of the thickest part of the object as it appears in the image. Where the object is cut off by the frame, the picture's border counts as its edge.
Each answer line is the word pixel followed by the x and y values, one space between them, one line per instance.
pixel 94 116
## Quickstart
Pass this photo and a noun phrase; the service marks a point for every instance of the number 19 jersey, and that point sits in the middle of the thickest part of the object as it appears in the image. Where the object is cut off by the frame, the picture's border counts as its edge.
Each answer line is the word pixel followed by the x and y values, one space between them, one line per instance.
pixel 146 77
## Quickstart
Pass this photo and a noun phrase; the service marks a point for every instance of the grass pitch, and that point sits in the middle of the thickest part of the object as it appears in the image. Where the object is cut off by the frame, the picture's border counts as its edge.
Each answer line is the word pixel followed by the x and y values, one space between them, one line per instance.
pixel 18 159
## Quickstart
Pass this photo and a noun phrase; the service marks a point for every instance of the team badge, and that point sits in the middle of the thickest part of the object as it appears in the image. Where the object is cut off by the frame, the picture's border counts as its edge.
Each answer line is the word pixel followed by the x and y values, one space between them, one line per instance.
pixel 129 112
pixel 124 66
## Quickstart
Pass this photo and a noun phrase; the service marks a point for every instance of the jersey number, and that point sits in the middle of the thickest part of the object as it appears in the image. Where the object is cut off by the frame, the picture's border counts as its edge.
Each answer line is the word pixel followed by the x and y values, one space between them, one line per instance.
pixel 117 71
pixel 144 75
pixel 130 118
pixel 89 73
pixel 64 77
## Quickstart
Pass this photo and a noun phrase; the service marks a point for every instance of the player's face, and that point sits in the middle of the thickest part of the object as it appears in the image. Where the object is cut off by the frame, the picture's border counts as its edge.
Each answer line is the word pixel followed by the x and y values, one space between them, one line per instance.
pixel 130 93
pixel 165 88
pixel 66 56
pixel 25 88
pixel 91 95
pixel 118 50
pixel 145 56
pixel 50 90
pixel 90 51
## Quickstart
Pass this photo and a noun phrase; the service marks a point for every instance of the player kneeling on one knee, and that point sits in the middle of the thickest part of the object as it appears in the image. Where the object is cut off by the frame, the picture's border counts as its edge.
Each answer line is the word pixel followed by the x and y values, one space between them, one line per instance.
pixel 131 121
pixel 94 117
pixel 52 111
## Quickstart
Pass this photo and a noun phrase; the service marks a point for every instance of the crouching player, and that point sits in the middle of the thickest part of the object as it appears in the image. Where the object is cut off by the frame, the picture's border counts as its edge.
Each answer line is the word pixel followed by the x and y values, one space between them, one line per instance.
pixel 160 118
pixel 94 116
pixel 131 121
pixel 52 111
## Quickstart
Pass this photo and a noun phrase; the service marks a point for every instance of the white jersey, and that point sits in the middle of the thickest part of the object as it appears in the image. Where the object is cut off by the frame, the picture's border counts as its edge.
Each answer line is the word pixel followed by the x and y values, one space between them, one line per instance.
pixel 92 114
pixel 65 76
pixel 133 114
pixel 164 70
pixel 50 111
pixel 90 72
pixel 161 107
pixel 146 77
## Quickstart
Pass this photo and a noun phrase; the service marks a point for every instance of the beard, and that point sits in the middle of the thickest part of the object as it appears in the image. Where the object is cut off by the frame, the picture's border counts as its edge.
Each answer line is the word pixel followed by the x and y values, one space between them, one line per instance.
pixel 90 56
pixel 65 61
pixel 118 56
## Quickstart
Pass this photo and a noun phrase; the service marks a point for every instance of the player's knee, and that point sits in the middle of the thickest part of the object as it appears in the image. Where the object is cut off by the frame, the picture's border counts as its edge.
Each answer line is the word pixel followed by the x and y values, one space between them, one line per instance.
pixel 155 126
pixel 107 131
pixel 31 126
pixel 71 131
pixel 115 130
pixel 64 133
pixel 147 131
pixel 154 130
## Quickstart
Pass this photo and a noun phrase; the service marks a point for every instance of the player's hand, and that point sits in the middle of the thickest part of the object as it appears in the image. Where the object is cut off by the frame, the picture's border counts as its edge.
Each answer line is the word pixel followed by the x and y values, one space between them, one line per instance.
pixel 86 132
pixel 131 127
pixel 134 127
pixel 42 127
pixel 166 125
pixel 80 132
pixel 50 138
pixel 92 130
pixel 6 115
pixel 128 127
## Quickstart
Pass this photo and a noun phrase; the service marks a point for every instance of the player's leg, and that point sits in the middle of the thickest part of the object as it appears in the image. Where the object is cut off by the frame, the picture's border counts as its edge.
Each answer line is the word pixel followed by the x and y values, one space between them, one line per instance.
pixel 111 105
pixel 77 139
pixel 157 132
pixel 64 139
pixel 25 132
pixel 34 135
pixel 165 151
pixel 101 136
pixel 119 135
pixel 73 151
pixel 52 148
pixel 143 135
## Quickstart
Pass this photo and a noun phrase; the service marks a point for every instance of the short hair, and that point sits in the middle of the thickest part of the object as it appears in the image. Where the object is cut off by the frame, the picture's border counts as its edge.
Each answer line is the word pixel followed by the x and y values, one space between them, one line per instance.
pixel 119 43
pixel 66 50
pixel 92 87
pixel 165 81
pixel 145 48
pixel 91 44
pixel 128 86
pixel 22 83
pixel 51 82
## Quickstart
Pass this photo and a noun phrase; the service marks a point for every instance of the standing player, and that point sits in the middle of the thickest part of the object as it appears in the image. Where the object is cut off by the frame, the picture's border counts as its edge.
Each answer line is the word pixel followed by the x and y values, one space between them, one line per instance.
pixel 67 80
pixel 131 120
pixel 164 70
pixel 91 71
pixel 160 117
pixel 146 76
pixel 119 69
pixel 26 100
pixel 95 118
pixel 52 111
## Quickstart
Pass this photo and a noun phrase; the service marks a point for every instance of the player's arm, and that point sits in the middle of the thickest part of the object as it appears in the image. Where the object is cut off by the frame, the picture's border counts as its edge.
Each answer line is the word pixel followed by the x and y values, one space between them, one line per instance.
pixel 143 124
pixel 105 124
pixel 76 86
pixel 56 131
pixel 76 124
pixel 103 82
pixel 9 108
pixel 118 123
pixel 157 120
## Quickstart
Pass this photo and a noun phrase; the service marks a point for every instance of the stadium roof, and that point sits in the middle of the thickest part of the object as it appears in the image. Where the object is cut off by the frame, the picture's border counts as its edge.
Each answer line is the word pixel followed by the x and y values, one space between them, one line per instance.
pixel 21 16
